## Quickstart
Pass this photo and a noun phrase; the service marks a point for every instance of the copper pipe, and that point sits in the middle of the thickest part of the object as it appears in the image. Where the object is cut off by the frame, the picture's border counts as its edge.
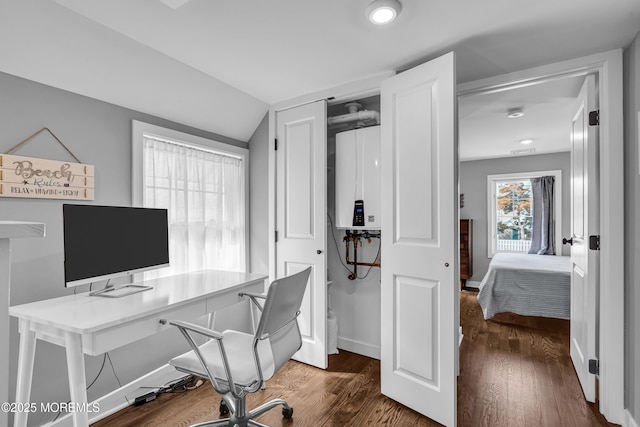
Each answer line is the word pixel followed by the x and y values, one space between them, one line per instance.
pixel 355 262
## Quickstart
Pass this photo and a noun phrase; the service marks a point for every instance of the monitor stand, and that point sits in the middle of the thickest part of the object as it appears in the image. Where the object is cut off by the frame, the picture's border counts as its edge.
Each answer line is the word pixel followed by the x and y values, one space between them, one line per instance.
pixel 120 291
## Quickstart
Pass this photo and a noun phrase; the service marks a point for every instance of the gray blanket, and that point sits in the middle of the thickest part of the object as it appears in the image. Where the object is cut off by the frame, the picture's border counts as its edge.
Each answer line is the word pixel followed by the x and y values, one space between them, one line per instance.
pixel 530 285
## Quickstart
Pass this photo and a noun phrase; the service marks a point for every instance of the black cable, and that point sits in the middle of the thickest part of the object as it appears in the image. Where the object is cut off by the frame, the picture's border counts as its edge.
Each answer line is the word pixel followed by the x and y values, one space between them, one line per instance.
pixel 336 243
pixel 177 386
pixel 371 266
pixel 113 369
pixel 104 359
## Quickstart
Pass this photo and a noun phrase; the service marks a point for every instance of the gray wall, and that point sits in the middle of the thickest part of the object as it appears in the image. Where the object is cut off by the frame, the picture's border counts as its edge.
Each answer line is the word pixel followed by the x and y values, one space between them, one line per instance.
pixel 259 197
pixel 473 184
pixel 632 231
pixel 97 133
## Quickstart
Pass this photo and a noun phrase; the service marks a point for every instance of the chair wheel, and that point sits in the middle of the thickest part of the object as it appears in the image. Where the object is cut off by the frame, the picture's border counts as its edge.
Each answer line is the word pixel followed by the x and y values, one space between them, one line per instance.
pixel 287 413
pixel 224 409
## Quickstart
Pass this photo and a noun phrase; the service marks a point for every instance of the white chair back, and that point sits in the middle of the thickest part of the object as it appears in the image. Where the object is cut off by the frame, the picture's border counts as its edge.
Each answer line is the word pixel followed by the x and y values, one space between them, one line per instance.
pixel 278 322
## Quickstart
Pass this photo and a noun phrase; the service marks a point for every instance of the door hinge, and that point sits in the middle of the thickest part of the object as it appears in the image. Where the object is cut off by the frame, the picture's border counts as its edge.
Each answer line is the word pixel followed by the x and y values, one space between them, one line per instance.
pixel 594 366
pixel 594 118
pixel 276 236
pixel 275 144
pixel 594 243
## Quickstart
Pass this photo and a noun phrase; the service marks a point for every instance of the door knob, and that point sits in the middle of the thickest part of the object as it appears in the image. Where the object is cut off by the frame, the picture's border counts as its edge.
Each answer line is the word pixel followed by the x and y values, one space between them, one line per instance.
pixel 569 241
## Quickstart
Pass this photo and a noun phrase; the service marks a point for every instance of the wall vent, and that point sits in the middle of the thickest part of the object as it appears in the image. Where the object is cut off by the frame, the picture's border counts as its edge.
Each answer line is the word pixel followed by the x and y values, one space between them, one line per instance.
pixel 523 151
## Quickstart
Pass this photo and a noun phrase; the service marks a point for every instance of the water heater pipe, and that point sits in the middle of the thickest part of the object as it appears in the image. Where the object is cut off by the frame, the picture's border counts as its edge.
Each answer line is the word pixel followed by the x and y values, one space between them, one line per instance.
pixel 354 117
pixel 355 262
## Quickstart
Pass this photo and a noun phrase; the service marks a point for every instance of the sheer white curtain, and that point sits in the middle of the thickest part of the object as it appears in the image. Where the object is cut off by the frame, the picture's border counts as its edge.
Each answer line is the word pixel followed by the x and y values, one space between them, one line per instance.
pixel 204 193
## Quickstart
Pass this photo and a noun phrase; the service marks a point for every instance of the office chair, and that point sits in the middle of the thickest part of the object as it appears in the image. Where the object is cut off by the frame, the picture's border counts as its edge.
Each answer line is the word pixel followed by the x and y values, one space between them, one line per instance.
pixel 238 363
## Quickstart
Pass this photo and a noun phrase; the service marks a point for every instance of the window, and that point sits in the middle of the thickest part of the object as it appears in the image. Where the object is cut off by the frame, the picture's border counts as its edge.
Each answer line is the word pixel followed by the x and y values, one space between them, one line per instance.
pixel 514 216
pixel 510 216
pixel 203 184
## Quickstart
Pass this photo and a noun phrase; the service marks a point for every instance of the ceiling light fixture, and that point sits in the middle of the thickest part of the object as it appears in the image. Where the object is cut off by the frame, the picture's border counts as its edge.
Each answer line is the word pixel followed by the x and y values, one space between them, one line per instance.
pixel 381 12
pixel 526 141
pixel 515 113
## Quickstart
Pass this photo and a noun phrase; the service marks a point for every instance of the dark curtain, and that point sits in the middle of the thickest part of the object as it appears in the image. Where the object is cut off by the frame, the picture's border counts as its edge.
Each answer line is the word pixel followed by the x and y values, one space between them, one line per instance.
pixel 543 237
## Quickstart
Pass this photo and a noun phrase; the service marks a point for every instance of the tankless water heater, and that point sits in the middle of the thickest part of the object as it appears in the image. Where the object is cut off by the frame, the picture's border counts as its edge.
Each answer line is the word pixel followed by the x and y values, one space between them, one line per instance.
pixel 358 179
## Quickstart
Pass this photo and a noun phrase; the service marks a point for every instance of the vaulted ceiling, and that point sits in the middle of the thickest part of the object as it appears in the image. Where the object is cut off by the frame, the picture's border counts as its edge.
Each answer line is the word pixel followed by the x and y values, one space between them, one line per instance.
pixel 218 64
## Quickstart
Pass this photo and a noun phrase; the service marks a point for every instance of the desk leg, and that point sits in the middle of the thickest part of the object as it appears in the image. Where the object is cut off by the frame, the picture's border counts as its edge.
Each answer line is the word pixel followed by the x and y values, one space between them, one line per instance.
pixel 26 356
pixel 77 379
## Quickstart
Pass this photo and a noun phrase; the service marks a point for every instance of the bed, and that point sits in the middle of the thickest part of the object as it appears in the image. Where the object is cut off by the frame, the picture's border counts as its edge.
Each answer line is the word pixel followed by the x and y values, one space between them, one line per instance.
pixel 529 285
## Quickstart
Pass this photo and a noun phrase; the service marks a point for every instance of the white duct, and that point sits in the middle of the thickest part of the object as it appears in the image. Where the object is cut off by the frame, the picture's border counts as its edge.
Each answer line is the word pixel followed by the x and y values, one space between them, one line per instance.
pixel 354 115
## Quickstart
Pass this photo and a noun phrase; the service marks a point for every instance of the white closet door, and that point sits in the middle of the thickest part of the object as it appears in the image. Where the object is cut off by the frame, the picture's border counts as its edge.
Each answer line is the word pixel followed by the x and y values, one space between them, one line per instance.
pixel 420 306
pixel 301 202
pixel 584 222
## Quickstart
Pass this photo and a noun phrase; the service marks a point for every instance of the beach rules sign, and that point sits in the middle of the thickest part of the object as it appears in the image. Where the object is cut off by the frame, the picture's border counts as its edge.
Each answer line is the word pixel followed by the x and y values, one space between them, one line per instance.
pixel 34 178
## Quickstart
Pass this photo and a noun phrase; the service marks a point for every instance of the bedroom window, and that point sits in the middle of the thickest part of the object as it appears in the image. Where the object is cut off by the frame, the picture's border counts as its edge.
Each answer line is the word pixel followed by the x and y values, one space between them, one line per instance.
pixel 514 215
pixel 511 211
pixel 203 184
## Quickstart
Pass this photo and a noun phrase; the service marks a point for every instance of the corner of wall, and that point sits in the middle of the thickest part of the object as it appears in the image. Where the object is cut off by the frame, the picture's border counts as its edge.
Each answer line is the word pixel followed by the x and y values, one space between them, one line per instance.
pixel 258 197
pixel 631 84
pixel 629 421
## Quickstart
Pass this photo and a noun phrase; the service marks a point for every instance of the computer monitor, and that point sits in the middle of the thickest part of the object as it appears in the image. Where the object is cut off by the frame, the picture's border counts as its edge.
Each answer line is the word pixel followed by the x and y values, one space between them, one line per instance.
pixel 104 242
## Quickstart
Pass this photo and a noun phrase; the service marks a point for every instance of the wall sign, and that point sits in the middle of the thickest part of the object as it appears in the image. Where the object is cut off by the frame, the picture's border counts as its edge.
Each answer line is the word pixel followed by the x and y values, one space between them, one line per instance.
pixel 35 178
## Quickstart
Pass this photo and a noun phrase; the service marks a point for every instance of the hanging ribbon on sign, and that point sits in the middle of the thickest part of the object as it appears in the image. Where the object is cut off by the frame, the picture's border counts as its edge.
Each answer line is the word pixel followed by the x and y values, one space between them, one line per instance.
pixel 30 177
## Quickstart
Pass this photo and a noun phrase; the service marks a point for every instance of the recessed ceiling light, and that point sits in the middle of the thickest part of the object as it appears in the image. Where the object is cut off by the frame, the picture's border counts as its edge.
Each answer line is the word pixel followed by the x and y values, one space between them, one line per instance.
pixel 526 141
pixel 515 113
pixel 175 4
pixel 381 12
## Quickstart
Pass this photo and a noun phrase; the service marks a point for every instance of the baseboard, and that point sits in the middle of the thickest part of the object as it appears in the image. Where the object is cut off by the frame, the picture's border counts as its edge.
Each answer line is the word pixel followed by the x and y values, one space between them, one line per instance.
pixel 472 284
pixel 359 347
pixel 628 419
pixel 117 399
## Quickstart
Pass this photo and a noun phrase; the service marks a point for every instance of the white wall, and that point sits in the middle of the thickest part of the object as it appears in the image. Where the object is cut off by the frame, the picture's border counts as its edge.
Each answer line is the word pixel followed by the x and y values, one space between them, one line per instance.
pixel 97 133
pixel 473 184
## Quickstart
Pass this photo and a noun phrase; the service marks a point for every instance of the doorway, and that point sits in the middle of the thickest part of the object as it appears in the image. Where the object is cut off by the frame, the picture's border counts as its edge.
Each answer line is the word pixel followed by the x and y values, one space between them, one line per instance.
pixel 607 69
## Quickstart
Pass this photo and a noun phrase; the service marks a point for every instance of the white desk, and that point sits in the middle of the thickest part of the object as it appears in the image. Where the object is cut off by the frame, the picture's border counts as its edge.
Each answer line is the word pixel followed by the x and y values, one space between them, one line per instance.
pixel 9 230
pixel 93 325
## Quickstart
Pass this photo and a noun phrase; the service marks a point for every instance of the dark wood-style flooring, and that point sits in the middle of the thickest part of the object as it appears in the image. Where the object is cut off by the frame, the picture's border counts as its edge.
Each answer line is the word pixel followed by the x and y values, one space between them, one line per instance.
pixel 514 371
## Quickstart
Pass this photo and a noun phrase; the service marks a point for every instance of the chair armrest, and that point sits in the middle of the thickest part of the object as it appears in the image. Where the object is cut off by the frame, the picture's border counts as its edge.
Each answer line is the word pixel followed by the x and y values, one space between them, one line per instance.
pixel 253 297
pixel 186 328
pixel 196 328
pixel 252 294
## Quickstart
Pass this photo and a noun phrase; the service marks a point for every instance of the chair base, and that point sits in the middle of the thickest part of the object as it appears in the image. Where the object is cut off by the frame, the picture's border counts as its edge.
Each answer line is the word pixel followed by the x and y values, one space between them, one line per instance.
pixel 227 422
pixel 240 418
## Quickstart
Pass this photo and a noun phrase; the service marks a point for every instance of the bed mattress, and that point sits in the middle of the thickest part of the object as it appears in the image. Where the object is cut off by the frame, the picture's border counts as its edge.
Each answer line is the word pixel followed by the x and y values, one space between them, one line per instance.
pixel 529 285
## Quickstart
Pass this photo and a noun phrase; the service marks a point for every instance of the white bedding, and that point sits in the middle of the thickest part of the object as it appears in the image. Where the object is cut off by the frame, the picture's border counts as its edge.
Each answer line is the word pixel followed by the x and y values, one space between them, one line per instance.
pixel 530 285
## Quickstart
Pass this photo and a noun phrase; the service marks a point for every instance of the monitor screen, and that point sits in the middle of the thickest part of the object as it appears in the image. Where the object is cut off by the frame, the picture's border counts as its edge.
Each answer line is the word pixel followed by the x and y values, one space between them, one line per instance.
pixel 102 242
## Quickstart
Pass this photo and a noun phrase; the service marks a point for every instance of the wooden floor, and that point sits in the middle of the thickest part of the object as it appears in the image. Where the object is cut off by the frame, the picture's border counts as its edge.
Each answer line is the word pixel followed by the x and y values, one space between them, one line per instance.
pixel 517 371
pixel 514 371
